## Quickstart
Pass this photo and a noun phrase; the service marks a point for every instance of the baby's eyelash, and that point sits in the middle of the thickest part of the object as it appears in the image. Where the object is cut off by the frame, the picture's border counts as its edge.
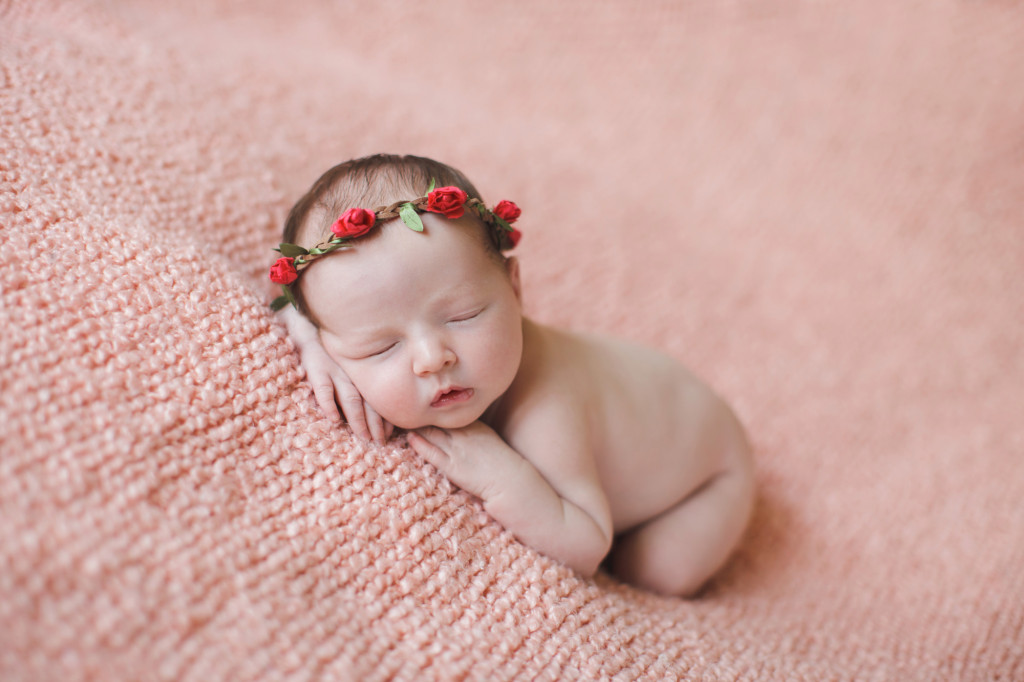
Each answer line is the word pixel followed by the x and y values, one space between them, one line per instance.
pixel 380 352
pixel 467 316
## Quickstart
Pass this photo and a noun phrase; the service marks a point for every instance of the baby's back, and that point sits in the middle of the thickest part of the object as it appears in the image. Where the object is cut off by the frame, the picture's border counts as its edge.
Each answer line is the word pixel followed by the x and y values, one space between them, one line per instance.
pixel 656 431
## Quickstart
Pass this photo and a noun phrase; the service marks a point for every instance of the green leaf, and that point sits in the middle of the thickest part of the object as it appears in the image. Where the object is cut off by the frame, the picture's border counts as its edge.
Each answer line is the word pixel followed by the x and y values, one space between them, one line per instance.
pixel 502 223
pixel 316 252
pixel 284 299
pixel 292 250
pixel 410 217
pixel 431 188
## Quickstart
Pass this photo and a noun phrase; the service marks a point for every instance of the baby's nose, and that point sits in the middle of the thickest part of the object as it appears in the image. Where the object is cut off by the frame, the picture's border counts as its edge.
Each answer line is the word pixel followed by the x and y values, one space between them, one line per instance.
pixel 432 356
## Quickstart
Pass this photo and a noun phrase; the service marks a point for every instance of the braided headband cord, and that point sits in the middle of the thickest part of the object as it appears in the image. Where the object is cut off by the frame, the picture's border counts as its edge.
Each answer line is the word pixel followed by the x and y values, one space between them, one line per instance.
pixel 384 213
pixel 356 222
pixel 392 210
pixel 381 213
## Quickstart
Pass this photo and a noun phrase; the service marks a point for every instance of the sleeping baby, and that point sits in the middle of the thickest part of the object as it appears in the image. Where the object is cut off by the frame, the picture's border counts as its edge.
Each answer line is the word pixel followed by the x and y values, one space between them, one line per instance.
pixel 587 449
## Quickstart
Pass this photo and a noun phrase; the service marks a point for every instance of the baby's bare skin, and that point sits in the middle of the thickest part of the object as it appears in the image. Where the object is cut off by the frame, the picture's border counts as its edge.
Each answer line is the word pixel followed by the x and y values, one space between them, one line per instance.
pixel 656 432
pixel 635 441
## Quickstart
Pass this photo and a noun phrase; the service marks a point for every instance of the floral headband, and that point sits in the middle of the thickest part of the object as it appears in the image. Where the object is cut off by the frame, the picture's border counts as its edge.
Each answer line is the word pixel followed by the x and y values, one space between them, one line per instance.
pixel 451 202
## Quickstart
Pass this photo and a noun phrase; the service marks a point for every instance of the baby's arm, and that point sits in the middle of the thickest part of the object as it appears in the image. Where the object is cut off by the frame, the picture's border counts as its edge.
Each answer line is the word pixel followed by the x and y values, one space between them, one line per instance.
pixel 571 523
pixel 330 382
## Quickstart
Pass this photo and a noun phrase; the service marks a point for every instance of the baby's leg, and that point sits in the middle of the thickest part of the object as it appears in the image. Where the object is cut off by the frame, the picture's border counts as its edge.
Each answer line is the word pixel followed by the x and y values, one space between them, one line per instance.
pixel 678 550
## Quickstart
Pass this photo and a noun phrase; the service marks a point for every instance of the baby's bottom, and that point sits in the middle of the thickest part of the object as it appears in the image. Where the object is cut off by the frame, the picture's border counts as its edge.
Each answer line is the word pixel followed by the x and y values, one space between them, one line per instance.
pixel 678 550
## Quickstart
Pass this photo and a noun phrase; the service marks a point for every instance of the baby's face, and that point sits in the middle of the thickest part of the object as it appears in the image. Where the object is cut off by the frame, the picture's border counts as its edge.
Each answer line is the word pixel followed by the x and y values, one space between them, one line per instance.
pixel 428 326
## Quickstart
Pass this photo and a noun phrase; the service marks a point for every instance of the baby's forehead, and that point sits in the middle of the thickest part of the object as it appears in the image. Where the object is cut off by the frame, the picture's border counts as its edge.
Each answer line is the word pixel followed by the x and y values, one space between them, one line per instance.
pixel 446 262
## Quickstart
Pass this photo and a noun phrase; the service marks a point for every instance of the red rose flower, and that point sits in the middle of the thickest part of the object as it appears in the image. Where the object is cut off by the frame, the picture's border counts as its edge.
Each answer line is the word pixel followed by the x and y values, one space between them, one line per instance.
pixel 283 271
pixel 507 211
pixel 514 236
pixel 450 201
pixel 354 222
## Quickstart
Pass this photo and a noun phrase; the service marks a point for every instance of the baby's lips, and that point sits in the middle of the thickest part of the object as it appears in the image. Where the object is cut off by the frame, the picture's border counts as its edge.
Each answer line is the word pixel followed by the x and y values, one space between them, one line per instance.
pixel 451 394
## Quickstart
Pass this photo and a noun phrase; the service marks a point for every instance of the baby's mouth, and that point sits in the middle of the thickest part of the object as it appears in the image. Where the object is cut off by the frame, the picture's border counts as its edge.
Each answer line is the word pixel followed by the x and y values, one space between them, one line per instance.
pixel 452 396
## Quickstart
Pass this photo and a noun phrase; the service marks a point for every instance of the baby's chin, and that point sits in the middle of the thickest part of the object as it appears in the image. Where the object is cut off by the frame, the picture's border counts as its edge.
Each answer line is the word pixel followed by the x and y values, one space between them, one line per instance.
pixel 440 423
pixel 444 420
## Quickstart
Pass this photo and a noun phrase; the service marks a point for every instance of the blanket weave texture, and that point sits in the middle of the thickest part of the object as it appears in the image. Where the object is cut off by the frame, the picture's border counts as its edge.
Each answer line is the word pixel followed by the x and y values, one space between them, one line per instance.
pixel 817 206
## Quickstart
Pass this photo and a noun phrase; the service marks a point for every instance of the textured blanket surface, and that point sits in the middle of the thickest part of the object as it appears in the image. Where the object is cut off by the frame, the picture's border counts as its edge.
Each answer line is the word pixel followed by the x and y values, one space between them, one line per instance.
pixel 818 206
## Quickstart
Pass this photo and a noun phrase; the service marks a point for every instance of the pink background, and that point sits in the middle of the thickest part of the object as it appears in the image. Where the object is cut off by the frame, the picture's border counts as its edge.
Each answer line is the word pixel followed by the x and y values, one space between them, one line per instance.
pixel 817 206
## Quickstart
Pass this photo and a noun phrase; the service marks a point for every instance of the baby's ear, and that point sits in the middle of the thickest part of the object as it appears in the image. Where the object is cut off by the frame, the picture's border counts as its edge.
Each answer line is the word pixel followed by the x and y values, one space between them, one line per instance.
pixel 512 268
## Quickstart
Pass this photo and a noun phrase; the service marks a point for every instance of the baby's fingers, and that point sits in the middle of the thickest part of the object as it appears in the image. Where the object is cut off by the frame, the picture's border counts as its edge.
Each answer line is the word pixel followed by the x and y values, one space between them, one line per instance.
pixel 428 450
pixel 323 391
pixel 446 451
pixel 437 436
pixel 353 407
pixel 376 424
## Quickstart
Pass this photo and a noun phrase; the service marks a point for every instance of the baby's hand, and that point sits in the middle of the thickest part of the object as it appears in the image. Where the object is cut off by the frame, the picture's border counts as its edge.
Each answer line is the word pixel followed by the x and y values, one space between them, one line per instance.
pixel 331 386
pixel 518 496
pixel 475 458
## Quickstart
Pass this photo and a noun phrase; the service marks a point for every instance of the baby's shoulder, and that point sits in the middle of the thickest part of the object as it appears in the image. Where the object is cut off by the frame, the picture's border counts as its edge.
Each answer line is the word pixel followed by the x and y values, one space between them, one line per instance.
pixel 583 372
pixel 610 377
pixel 549 392
pixel 615 362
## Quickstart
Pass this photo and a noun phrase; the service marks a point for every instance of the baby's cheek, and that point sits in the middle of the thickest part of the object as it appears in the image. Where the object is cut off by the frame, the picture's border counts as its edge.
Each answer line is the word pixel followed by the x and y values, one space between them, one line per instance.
pixel 393 397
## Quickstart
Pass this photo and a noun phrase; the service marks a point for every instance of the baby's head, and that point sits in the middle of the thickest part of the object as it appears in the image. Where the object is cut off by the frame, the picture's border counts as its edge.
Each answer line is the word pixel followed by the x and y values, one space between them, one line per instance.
pixel 427 324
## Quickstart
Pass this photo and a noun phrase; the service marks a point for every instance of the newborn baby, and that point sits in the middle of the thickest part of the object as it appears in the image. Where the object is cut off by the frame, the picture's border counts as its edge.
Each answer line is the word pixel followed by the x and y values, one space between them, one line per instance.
pixel 582 446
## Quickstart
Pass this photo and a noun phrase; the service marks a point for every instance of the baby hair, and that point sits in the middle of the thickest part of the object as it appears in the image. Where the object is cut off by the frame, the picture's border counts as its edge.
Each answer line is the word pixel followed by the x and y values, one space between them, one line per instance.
pixel 376 180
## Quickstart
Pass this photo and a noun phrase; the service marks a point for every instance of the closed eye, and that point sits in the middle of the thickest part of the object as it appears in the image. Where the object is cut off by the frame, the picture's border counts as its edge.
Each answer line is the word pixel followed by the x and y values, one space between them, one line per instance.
pixel 378 353
pixel 467 316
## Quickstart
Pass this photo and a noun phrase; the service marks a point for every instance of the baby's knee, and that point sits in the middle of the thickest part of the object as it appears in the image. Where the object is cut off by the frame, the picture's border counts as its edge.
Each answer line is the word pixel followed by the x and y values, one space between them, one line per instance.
pixel 677 583
pixel 677 552
pixel 675 579
pixel 653 558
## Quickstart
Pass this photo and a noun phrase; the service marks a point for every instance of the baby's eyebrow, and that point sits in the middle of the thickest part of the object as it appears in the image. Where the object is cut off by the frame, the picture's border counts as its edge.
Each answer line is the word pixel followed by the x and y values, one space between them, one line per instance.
pixel 365 335
pixel 360 349
pixel 459 295
pixel 370 337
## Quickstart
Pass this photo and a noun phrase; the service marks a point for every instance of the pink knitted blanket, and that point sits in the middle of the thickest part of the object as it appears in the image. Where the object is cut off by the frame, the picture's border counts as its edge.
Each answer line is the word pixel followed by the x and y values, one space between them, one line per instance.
pixel 816 206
